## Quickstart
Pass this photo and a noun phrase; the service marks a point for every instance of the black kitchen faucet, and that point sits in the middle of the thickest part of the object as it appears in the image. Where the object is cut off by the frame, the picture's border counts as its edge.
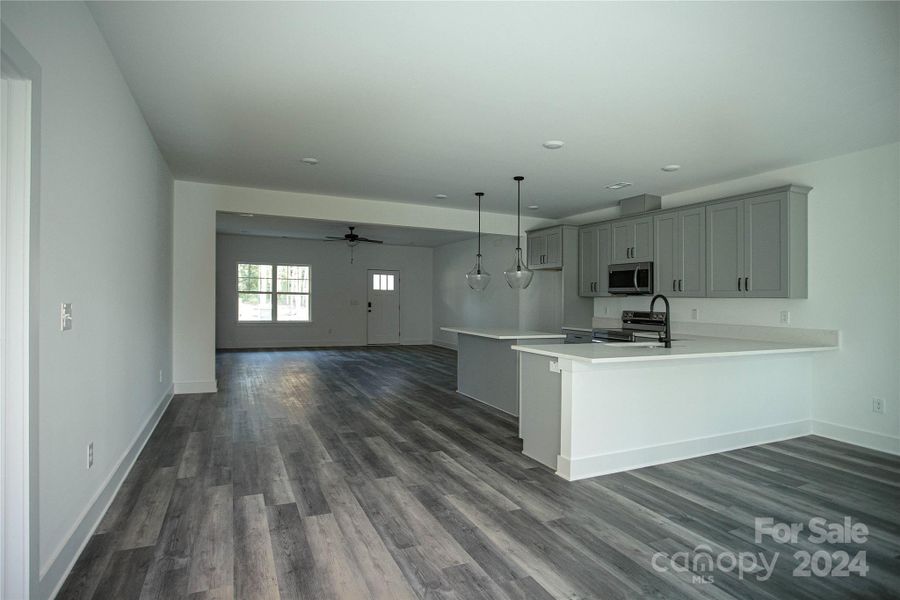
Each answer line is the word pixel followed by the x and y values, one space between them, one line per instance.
pixel 667 340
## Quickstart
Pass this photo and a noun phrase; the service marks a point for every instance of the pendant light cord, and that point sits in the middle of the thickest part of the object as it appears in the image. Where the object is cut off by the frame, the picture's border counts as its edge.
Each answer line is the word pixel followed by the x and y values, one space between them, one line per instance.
pixel 479 222
pixel 519 179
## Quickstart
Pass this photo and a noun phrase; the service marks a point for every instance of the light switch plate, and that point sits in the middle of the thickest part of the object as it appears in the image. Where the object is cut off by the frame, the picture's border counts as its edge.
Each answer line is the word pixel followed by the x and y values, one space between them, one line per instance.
pixel 785 317
pixel 65 316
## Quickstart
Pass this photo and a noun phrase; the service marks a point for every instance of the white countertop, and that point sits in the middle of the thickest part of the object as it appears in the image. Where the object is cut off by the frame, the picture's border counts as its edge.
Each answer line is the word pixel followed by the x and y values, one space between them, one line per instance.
pixel 695 347
pixel 505 334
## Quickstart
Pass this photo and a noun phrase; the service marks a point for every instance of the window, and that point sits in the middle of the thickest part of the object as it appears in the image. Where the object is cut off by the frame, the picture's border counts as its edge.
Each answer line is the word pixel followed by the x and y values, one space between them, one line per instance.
pixel 382 282
pixel 263 298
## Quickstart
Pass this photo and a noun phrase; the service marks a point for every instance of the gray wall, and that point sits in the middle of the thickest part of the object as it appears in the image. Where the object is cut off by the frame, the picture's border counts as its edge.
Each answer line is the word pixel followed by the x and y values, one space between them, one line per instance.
pixel 106 247
pixel 456 304
pixel 339 291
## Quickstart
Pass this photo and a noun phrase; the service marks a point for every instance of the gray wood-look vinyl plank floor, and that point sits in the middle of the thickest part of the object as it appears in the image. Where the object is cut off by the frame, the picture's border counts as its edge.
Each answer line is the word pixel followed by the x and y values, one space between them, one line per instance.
pixel 359 473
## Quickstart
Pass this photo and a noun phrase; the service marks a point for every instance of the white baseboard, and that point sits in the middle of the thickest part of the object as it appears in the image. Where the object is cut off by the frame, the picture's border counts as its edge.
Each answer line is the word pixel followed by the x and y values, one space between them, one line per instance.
pixel 615 462
pixel 329 343
pixel 446 345
pixel 857 437
pixel 196 387
pixel 53 573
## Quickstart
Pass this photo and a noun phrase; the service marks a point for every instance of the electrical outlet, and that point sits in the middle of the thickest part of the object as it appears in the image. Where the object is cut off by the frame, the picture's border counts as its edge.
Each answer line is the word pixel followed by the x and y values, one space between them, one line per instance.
pixel 160 375
pixel 695 314
pixel 785 317
pixel 90 455
pixel 878 405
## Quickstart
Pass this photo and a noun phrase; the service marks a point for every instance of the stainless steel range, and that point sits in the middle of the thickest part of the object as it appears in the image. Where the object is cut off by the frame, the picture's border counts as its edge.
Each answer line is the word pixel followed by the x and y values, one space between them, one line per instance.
pixel 634 324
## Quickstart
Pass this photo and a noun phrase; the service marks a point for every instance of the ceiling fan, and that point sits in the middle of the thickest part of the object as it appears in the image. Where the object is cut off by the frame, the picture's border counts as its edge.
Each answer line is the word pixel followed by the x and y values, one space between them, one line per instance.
pixel 351 238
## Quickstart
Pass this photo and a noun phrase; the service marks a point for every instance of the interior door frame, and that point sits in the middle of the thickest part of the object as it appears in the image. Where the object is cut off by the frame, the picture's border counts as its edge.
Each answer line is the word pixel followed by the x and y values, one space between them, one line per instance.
pixel 369 272
pixel 19 527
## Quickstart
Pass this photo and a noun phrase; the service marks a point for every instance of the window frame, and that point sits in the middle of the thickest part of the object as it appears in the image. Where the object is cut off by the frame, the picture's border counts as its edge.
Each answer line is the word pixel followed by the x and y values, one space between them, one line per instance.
pixel 273 317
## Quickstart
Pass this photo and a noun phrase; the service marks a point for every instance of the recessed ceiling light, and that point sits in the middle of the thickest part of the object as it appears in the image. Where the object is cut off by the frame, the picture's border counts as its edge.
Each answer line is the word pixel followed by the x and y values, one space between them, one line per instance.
pixel 670 168
pixel 441 196
pixel 618 185
pixel 533 207
pixel 310 161
pixel 553 144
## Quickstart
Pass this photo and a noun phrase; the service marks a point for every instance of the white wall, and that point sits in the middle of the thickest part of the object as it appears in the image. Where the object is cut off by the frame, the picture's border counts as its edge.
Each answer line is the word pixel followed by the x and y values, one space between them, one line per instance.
pixel 106 222
pixel 854 277
pixel 195 245
pixel 338 291
pixel 456 304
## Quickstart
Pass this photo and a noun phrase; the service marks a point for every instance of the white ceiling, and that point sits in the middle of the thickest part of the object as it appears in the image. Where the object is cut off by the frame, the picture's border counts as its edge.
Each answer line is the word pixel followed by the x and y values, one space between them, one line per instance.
pixel 403 101
pixel 309 229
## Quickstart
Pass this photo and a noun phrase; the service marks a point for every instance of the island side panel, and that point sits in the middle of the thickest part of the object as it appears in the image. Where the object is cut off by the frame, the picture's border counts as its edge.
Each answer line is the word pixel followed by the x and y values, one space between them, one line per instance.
pixel 487 370
pixel 630 415
pixel 539 421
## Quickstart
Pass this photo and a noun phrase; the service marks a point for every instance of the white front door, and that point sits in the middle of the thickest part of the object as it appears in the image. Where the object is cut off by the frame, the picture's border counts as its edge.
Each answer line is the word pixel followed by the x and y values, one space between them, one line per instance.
pixel 384 307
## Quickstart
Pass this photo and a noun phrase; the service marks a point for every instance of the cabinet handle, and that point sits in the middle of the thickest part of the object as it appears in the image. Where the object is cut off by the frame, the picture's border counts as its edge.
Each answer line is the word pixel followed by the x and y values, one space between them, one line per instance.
pixel 680 289
pixel 739 285
pixel 746 284
pixel 673 285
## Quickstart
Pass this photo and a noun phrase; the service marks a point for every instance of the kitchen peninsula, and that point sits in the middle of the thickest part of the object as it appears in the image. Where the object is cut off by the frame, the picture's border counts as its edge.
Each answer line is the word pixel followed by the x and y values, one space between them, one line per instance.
pixel 487 369
pixel 593 409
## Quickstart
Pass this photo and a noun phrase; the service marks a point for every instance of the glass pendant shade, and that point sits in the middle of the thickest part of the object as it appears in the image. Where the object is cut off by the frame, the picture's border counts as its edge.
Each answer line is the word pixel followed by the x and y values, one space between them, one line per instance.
pixel 478 278
pixel 519 276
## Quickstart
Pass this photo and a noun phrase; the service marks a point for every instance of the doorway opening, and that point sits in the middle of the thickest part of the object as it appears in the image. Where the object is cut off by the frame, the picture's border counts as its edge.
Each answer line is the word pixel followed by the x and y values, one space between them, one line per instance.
pixel 18 325
pixel 383 322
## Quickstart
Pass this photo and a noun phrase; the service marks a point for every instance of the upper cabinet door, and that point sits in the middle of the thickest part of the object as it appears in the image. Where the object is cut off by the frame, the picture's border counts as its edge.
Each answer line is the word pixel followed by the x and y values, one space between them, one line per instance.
pixel 622 241
pixel 725 249
pixel 588 261
pixel 553 252
pixel 690 270
pixel 604 245
pixel 537 247
pixel 765 246
pixel 642 247
pixel 666 254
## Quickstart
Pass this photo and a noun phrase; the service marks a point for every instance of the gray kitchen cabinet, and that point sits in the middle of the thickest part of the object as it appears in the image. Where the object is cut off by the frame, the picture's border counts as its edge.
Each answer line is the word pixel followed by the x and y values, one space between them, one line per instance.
pixel 632 240
pixel 593 260
pixel 756 245
pixel 537 247
pixel 680 253
pixel 545 248
pixel 725 249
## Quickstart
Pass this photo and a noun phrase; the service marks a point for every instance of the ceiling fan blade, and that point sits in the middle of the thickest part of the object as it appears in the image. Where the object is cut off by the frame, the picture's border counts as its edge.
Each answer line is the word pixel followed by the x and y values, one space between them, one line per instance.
pixel 334 237
pixel 369 241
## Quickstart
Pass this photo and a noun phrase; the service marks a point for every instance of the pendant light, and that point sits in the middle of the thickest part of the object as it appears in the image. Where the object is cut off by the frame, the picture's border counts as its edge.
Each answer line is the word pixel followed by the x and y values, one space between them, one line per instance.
pixel 518 276
pixel 478 278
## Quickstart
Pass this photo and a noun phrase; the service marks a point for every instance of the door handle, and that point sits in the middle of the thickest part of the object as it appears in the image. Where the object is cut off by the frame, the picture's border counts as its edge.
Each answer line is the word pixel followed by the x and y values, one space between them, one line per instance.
pixel 739 285
pixel 635 278
pixel 746 284
pixel 679 285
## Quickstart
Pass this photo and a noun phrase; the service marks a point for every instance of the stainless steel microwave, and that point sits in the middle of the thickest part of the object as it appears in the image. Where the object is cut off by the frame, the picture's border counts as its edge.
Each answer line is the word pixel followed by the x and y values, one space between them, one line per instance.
pixel 631 279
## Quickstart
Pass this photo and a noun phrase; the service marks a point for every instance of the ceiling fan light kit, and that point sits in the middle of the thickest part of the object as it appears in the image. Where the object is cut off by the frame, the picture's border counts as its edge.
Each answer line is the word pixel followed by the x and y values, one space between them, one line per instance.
pixel 352 240
pixel 478 278
pixel 519 276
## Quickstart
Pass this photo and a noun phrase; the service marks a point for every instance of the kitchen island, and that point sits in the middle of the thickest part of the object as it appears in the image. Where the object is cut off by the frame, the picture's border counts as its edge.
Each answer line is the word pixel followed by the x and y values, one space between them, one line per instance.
pixel 593 409
pixel 487 369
